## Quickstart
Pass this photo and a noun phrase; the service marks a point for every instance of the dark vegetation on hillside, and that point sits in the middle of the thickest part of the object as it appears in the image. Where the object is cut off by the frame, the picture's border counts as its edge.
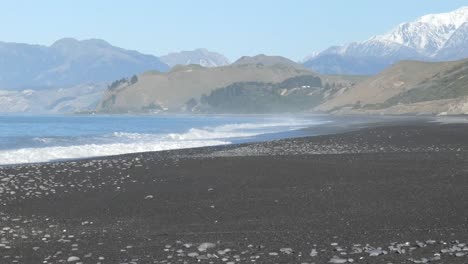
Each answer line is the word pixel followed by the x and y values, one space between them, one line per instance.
pixel 296 94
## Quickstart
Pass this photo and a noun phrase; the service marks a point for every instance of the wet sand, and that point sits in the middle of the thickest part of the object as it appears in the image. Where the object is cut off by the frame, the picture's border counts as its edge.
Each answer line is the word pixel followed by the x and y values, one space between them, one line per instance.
pixel 394 194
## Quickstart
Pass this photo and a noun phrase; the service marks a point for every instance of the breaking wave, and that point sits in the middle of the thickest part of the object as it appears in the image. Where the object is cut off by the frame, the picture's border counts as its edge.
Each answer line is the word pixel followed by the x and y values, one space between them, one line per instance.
pixel 34 155
pixel 60 148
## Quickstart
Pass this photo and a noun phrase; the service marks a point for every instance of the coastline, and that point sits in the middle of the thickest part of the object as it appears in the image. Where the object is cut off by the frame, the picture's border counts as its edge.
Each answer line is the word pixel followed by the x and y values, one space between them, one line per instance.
pixel 273 201
pixel 326 125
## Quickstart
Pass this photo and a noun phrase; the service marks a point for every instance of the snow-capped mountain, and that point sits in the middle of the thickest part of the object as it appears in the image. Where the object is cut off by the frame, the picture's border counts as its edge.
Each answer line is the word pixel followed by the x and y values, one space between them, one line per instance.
pixel 201 57
pixel 311 56
pixel 457 45
pixel 431 37
pixel 429 33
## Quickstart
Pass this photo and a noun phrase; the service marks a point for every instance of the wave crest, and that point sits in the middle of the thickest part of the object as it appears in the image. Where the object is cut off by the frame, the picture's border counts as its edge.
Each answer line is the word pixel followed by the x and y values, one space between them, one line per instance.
pixel 35 155
pixel 116 143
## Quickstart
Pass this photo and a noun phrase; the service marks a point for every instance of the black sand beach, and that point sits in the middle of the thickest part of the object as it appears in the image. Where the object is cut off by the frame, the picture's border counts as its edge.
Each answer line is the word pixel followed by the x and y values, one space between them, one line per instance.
pixel 394 194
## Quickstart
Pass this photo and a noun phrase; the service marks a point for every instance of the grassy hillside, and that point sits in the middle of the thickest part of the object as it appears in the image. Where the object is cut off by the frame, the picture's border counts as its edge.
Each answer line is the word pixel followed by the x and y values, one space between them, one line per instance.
pixel 399 79
pixel 256 84
pixel 170 91
pixel 449 84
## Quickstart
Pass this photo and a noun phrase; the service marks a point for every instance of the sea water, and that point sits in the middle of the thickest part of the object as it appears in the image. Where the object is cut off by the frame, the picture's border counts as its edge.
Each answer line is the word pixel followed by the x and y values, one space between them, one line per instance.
pixel 31 139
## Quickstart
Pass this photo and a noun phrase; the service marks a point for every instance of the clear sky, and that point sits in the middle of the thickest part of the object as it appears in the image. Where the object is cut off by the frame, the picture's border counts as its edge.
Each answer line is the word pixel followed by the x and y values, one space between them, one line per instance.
pixel 291 28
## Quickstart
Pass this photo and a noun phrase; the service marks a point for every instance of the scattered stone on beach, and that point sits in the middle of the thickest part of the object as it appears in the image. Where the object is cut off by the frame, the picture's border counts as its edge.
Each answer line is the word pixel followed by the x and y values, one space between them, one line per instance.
pixel 54 239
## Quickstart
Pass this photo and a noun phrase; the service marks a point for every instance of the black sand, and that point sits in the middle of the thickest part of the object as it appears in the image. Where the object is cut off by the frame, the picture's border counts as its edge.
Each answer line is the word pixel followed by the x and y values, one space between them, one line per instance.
pixel 403 189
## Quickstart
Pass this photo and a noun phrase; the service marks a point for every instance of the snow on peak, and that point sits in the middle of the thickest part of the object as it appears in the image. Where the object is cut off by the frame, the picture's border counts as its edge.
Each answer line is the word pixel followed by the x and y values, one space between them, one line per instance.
pixel 310 56
pixel 429 33
pixel 455 18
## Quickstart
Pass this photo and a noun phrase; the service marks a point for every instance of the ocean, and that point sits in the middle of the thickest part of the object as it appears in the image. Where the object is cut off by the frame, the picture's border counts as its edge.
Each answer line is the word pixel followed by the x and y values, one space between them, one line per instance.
pixel 33 139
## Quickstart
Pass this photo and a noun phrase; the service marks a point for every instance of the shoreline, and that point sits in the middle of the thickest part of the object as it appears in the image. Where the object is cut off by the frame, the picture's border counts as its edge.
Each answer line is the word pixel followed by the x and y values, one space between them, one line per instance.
pixel 400 188
pixel 337 125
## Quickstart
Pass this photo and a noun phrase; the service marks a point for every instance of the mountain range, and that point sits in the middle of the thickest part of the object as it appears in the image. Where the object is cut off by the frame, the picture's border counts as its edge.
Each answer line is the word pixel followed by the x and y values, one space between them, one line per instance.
pixel 417 67
pixel 434 37
pixel 69 62
pixel 71 75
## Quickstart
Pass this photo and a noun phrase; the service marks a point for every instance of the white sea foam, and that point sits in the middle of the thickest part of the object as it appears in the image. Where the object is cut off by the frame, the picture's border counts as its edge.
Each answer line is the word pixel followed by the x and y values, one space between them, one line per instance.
pixel 123 142
pixel 242 130
pixel 33 155
pixel 195 134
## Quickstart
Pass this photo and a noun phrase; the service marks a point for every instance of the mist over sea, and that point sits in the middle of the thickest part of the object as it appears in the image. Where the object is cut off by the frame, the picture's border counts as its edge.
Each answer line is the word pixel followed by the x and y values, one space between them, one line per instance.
pixel 31 139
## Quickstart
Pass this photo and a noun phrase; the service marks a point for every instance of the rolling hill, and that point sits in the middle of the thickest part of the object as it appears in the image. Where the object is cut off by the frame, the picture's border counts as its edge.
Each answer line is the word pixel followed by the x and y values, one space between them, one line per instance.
pixel 259 84
pixel 153 91
pixel 407 87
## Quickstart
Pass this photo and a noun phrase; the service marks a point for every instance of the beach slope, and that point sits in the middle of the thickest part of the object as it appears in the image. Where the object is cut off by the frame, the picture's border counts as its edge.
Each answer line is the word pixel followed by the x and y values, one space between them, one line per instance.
pixel 392 194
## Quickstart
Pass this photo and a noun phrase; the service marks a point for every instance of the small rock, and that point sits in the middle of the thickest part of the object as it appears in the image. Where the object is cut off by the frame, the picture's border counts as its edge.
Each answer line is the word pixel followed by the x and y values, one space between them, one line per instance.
pixel 376 252
pixel 73 259
pixel 192 254
pixel 444 251
pixel 337 260
pixel 206 246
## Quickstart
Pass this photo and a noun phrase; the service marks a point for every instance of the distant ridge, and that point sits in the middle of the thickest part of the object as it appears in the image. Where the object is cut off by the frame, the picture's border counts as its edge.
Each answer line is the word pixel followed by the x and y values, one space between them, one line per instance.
pixel 267 61
pixel 201 57
pixel 69 62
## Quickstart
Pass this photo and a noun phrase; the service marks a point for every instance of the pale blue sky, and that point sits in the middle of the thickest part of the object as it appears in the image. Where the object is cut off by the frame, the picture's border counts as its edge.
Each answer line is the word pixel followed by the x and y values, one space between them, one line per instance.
pixel 234 28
